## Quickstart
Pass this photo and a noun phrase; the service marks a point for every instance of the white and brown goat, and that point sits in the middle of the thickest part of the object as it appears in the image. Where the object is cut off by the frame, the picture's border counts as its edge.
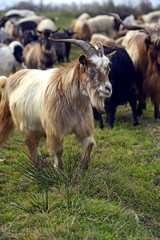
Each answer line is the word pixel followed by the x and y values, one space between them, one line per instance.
pixel 56 102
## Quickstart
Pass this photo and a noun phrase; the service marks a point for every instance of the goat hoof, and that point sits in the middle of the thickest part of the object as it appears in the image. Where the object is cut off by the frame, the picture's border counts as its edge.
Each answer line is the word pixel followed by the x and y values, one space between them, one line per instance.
pixel 83 166
pixel 157 117
pixel 136 124
pixel 49 161
pixel 110 126
pixel 139 112
pixel 57 168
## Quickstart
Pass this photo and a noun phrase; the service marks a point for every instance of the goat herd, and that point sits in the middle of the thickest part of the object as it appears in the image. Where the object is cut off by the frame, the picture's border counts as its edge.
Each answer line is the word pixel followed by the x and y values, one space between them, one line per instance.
pixel 119 66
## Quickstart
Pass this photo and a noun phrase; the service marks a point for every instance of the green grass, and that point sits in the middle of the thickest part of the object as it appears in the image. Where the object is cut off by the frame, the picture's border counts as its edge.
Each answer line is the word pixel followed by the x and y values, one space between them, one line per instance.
pixel 62 20
pixel 117 198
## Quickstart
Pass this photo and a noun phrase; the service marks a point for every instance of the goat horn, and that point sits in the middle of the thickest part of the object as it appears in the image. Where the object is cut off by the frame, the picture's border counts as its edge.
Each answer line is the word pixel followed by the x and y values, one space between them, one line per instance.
pixel 87 47
pixel 109 55
pixel 152 32
pixel 129 27
pixel 101 47
pixel 108 47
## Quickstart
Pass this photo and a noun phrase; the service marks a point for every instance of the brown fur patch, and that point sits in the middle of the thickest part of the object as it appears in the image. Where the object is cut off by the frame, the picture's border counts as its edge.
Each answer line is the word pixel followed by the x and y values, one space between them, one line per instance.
pixel 145 58
pixel 6 123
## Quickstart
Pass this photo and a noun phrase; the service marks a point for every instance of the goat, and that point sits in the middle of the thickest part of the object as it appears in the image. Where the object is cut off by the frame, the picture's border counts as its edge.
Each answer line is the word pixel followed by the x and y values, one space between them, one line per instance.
pixel 20 13
pixel 84 16
pixel 69 34
pixel 26 24
pixel 124 86
pixel 17 50
pixel 40 55
pixel 15 14
pixel 101 23
pixel 30 28
pixel 150 18
pixel 144 50
pixel 9 27
pixel 56 102
pixel 12 56
pixel 7 62
pixel 80 29
pixel 129 20
pixel 60 47
pixel 63 49
pixel 74 25
pixel 46 24
pixel 11 18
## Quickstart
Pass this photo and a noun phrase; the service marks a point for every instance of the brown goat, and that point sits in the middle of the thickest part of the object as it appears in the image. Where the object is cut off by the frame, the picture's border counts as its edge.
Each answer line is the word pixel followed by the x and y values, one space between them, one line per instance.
pixel 40 55
pixel 56 102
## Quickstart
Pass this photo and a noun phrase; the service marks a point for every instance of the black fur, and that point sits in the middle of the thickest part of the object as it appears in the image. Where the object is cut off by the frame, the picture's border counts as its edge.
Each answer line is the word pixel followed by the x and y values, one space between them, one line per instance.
pixel 18 50
pixel 124 85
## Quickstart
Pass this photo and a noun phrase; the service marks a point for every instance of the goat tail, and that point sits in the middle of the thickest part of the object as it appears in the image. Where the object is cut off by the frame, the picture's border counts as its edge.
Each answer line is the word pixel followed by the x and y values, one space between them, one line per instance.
pixel 2 81
pixel 6 122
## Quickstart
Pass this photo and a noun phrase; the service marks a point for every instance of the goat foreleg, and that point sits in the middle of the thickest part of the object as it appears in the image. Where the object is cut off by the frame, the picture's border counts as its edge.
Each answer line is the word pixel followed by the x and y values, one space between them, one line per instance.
pixel 88 144
pixel 32 142
pixel 55 146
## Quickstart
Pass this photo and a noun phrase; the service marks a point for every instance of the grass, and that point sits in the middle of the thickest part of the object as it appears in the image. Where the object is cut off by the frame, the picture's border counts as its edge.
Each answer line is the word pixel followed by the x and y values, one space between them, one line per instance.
pixel 117 198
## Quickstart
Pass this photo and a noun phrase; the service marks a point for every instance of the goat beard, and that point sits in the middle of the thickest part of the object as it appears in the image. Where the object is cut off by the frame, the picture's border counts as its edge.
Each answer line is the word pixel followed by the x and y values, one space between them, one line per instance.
pixel 97 102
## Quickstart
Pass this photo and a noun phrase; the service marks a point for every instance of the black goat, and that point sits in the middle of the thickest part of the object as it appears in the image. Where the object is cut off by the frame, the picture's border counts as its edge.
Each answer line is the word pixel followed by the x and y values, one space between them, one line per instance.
pixel 69 33
pixel 63 49
pixel 124 85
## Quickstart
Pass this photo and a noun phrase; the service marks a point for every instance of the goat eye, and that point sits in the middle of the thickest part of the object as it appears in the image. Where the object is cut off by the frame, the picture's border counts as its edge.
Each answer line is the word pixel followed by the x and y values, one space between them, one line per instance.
pixel 92 71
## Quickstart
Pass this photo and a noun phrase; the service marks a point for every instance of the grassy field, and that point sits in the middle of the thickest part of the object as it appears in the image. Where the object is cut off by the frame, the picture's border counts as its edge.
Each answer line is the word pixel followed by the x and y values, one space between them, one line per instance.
pixel 117 198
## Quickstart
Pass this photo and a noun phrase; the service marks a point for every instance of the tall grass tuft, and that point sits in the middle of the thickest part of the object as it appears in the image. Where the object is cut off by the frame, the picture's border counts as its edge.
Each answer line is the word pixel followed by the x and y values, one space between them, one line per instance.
pixel 73 184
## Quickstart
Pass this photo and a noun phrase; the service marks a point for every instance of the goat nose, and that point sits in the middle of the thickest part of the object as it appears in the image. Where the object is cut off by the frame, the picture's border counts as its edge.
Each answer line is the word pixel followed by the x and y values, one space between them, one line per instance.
pixel 108 86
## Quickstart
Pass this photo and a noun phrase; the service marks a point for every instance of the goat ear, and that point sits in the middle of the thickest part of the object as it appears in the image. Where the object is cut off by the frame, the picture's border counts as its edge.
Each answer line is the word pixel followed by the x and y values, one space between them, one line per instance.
pixel 83 60
pixel 110 54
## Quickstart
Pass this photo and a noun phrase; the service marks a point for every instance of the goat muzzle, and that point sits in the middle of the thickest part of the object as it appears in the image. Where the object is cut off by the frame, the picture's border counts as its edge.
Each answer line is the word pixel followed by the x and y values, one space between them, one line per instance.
pixel 105 91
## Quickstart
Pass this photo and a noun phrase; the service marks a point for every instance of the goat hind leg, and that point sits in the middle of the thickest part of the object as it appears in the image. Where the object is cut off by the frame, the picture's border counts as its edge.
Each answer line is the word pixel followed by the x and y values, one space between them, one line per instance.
pixel 133 105
pixel 111 116
pixel 156 111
